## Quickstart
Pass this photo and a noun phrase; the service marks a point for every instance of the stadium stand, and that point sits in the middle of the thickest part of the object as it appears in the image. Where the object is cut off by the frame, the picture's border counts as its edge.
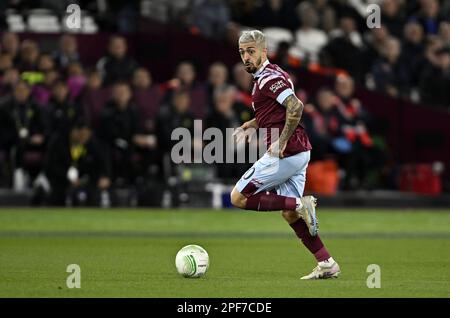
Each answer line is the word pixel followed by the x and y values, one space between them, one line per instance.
pixel 377 100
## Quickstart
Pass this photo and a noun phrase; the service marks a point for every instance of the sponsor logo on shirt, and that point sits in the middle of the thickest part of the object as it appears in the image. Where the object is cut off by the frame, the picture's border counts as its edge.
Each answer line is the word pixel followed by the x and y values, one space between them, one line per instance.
pixel 277 86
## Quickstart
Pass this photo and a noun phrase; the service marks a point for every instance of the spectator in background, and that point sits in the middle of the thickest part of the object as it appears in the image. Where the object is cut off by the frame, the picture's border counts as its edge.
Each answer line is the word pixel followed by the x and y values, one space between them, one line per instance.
pixel 413 51
pixel 147 97
pixel 353 116
pixel 347 9
pixel 116 65
pixel 345 49
pixel 392 17
pixel 173 115
pixel 357 153
pixel 227 114
pixel 93 97
pixel 446 10
pixel 76 80
pixel 175 11
pixel 391 74
pixel 376 39
pixel 22 130
pixel 428 16
pixel 308 39
pixel 348 105
pixel 142 79
pixel 67 52
pixel 10 44
pixel 29 55
pixel 242 11
pixel 7 82
pixel 121 130
pixel 43 91
pixel 5 62
pixel 42 79
pixel 283 58
pixel 326 15
pixel 185 79
pixel 211 17
pixel 444 32
pixel 45 63
pixel 322 122
pixel 276 13
pixel 217 78
pixel 244 83
pixel 78 169
pixel 435 80
pixel 63 112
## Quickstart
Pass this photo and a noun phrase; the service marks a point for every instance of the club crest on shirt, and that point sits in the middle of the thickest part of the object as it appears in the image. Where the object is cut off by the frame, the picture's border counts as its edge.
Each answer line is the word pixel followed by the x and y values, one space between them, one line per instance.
pixel 277 86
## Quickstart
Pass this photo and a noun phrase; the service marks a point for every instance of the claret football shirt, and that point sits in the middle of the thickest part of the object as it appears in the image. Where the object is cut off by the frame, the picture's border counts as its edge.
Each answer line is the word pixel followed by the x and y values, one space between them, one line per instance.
pixel 271 86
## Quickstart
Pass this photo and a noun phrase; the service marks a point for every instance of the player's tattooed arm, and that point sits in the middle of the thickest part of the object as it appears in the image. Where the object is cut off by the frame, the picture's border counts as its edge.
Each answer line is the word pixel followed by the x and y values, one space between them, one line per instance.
pixel 294 110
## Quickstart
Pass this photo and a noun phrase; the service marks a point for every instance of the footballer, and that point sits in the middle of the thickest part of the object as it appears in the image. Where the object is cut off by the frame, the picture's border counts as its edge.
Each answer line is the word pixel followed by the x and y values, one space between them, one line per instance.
pixel 276 181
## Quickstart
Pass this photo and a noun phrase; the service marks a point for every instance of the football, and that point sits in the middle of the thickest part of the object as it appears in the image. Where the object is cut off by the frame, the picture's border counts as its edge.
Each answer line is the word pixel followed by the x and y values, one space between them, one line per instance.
pixel 192 261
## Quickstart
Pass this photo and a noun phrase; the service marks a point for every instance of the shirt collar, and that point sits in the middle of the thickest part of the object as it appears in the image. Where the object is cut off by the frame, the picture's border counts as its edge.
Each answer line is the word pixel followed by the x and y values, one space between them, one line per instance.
pixel 263 66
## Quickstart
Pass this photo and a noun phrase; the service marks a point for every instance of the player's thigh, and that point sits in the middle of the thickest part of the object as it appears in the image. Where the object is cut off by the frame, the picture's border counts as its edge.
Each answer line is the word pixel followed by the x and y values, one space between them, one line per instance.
pixel 264 175
pixel 295 185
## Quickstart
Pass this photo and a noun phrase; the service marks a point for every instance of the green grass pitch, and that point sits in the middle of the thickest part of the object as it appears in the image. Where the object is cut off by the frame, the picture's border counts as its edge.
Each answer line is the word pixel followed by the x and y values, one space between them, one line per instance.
pixel 131 253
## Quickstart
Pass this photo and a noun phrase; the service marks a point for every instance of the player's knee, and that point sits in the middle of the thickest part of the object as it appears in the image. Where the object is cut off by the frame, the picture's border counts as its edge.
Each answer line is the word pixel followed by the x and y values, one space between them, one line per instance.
pixel 237 199
pixel 290 216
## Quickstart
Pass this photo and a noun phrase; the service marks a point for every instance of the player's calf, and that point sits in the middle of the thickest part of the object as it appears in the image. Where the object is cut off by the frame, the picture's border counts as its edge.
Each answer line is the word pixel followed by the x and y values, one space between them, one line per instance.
pixel 290 216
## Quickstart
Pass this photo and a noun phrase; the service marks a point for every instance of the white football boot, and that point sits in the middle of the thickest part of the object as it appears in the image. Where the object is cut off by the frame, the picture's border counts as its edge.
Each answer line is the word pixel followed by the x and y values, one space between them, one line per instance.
pixel 308 213
pixel 326 269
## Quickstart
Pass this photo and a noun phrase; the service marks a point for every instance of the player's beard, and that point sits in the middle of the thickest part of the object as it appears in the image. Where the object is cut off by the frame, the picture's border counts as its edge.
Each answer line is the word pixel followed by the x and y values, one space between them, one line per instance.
pixel 250 68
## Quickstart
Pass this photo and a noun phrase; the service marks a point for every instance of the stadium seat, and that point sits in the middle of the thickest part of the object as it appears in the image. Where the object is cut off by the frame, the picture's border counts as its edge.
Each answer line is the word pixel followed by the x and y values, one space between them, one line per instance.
pixel 42 20
pixel 322 178
pixel 15 22
pixel 88 25
pixel 421 179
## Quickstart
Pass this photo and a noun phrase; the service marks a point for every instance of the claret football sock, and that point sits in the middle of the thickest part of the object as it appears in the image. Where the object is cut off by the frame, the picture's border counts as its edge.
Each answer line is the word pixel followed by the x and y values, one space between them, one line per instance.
pixel 270 202
pixel 313 243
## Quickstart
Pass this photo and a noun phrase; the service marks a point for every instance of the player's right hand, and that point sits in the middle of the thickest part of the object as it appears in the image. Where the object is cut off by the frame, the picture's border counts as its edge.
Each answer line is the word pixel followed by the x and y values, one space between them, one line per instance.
pixel 239 133
pixel 244 133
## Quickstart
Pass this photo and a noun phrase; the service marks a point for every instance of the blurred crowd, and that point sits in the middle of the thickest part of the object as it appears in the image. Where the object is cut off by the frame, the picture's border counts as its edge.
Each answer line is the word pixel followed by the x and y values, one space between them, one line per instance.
pixel 407 56
pixel 399 57
pixel 66 126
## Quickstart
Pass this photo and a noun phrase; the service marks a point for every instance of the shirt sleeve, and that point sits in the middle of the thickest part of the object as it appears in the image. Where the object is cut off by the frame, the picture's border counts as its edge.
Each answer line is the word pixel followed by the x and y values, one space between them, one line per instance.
pixel 276 87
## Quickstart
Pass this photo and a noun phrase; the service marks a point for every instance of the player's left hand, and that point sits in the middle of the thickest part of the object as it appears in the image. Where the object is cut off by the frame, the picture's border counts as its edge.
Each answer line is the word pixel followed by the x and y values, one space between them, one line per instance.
pixel 277 150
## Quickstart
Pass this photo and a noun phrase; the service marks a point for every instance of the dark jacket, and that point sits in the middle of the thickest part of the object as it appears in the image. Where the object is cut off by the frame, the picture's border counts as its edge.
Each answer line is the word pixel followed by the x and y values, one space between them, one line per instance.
pixel 91 165
pixel 117 127
pixel 15 117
